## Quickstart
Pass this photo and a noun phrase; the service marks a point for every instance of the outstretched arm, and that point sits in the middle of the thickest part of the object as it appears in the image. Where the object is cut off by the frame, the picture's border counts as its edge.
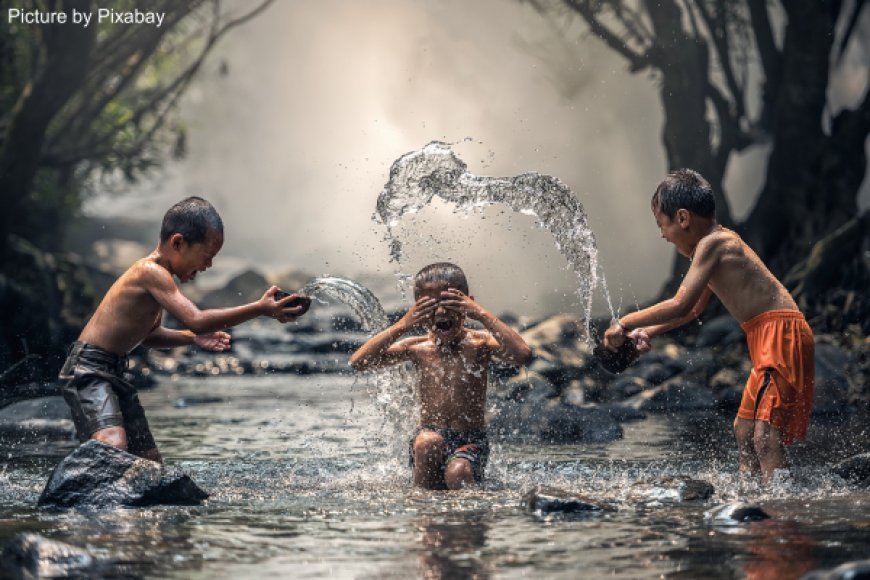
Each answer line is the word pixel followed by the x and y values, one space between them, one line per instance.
pixel 382 349
pixel 689 301
pixel 158 282
pixel 508 345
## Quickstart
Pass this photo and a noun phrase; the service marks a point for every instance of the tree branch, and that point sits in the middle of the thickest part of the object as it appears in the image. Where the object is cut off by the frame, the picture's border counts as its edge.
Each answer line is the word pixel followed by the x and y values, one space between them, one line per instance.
pixel 637 62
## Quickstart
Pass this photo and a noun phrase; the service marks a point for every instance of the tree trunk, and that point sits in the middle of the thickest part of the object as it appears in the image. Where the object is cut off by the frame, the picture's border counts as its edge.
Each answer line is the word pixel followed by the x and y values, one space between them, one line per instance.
pixel 68 49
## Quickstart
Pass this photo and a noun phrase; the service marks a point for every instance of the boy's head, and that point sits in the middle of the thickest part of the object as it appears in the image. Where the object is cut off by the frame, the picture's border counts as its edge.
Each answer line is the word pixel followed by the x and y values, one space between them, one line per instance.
pixel 684 208
pixel 431 281
pixel 684 189
pixel 191 235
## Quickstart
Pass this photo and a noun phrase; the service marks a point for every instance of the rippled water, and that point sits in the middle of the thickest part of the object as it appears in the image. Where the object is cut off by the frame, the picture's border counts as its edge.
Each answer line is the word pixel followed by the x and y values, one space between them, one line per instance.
pixel 304 484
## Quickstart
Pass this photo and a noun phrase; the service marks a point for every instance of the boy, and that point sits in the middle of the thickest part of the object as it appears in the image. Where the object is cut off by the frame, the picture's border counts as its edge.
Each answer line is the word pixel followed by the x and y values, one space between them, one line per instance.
pixel 449 448
pixel 105 406
pixel 777 400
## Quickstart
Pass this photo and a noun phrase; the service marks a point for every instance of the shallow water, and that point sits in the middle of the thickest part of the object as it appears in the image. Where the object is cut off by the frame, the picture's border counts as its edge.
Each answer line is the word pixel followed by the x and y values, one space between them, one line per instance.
pixel 308 480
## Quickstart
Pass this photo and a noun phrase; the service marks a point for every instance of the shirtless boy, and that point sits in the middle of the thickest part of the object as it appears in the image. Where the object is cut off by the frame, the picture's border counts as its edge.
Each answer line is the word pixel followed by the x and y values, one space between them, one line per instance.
pixel 449 448
pixel 104 406
pixel 777 400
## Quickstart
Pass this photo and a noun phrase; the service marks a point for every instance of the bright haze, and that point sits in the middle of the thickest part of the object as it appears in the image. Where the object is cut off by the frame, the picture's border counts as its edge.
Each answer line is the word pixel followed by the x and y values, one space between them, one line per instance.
pixel 295 142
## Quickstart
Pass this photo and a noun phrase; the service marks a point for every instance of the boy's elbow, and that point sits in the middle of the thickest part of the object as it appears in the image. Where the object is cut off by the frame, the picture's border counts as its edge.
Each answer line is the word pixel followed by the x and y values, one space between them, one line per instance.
pixel 524 356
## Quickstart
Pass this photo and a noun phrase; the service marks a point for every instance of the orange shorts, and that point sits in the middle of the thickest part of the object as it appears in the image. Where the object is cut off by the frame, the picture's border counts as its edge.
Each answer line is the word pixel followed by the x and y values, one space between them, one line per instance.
pixel 780 387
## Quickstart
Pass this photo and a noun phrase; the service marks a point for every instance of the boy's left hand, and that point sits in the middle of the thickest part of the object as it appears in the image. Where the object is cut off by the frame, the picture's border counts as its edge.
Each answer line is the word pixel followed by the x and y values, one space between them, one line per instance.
pixel 214 341
pixel 455 300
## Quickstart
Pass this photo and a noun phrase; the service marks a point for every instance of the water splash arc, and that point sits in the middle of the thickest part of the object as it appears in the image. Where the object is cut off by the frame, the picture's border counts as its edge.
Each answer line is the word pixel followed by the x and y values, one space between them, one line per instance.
pixel 416 178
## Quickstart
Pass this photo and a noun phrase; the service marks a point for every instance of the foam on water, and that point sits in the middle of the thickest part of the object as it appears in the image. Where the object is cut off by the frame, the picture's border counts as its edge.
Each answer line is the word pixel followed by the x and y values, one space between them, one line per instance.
pixel 416 178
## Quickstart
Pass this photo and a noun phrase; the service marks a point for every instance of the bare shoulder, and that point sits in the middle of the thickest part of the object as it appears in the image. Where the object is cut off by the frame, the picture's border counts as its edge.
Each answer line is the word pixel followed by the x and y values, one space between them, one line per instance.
pixel 718 243
pixel 150 274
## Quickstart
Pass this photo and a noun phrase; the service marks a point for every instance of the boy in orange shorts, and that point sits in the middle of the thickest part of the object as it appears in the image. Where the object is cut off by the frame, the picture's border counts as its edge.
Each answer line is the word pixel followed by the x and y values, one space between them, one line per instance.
pixel 777 400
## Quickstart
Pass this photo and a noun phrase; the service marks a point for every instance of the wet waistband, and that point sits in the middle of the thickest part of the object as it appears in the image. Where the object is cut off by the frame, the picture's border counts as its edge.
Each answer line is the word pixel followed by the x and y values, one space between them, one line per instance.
pixel 770 315
pixel 95 355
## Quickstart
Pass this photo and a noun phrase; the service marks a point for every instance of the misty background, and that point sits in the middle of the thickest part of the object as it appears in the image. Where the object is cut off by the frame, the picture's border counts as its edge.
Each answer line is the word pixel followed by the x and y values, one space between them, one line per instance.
pixel 294 140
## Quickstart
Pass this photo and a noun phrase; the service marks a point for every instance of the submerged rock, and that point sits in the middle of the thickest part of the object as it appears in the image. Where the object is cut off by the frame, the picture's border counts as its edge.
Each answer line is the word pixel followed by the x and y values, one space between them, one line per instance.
pixel 550 500
pixel 674 395
pixel 98 476
pixel 34 556
pixel 855 469
pixel 857 570
pixel 673 488
pixel 733 514
pixel 555 421
pixel 36 420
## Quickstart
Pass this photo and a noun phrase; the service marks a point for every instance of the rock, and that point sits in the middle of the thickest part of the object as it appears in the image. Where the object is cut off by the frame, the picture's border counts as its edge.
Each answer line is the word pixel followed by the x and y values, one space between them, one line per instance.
pixel 96 475
pixel 554 422
pixel 673 488
pixel 855 469
pixel 625 387
pixel 34 556
pixel 733 514
pixel 857 570
pixel 674 395
pixel 184 402
pixel 36 420
pixel 550 500
pixel 245 287
pixel 621 412
pixel 831 393
pixel 558 329
pixel 527 387
pixel 720 331
pixel 653 372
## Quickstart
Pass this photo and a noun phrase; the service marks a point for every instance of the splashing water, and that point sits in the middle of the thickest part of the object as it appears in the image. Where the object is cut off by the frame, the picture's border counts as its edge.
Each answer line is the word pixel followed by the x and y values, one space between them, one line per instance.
pixel 394 387
pixel 357 297
pixel 435 170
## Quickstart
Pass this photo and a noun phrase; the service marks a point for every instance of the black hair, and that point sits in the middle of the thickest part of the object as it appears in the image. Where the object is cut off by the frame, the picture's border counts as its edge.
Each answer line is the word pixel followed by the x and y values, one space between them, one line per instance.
pixel 441 272
pixel 684 189
pixel 192 218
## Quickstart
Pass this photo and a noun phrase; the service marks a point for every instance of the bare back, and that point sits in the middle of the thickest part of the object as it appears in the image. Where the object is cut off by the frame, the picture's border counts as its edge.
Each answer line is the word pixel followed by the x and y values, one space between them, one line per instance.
pixel 741 280
pixel 128 312
pixel 453 380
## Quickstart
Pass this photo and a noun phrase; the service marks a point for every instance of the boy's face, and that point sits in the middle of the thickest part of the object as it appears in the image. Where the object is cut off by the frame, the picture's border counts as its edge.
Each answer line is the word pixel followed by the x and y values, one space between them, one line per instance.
pixel 194 258
pixel 674 229
pixel 445 324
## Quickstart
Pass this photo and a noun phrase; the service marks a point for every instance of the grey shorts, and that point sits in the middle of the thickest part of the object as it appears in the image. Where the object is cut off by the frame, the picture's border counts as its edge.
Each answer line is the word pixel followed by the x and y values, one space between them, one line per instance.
pixel 91 383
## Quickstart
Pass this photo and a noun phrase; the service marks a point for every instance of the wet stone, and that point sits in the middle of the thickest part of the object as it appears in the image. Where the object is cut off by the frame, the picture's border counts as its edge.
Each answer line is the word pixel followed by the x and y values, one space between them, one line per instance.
pixel 674 395
pixel 857 570
pixel 99 476
pixel 733 514
pixel 676 488
pixel 855 469
pixel 36 420
pixel 34 556
pixel 551 500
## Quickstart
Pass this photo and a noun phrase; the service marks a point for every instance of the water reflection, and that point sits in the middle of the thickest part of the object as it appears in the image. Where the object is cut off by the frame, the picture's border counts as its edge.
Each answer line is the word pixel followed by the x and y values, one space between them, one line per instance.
pixel 453 548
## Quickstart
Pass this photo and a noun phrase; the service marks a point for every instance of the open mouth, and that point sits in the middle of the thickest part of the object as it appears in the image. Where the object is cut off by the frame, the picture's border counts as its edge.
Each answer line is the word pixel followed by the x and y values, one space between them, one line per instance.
pixel 443 325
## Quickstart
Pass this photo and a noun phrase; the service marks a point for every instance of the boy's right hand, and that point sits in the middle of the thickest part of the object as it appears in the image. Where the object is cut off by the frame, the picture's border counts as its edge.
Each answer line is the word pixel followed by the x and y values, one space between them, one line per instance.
pixel 278 309
pixel 419 313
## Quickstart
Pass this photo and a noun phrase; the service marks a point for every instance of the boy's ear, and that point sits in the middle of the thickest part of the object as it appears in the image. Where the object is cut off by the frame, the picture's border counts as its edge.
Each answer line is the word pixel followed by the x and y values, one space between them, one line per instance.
pixel 176 240
pixel 683 217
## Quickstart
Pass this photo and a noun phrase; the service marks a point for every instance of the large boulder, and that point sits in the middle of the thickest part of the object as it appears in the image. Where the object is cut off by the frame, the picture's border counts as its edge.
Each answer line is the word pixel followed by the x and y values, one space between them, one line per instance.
pixel 98 476
pixel 720 331
pixel 29 556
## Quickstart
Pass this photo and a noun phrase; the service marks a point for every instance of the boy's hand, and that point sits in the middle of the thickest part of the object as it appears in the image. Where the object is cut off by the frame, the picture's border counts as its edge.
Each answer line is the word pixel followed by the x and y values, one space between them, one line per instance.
pixel 214 341
pixel 278 309
pixel 641 340
pixel 455 300
pixel 614 337
pixel 419 313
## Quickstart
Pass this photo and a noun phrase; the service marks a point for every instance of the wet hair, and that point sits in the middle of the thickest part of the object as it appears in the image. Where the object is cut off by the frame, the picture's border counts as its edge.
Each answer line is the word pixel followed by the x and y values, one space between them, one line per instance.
pixel 193 218
pixel 441 272
pixel 684 189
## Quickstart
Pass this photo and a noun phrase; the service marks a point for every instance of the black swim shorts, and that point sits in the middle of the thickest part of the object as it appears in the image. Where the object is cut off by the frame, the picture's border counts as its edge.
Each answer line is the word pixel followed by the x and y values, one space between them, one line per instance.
pixel 472 446
pixel 92 386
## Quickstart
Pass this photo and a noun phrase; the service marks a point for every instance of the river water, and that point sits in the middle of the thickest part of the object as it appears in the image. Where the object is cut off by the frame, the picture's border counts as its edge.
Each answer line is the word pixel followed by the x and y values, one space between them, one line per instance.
pixel 308 480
